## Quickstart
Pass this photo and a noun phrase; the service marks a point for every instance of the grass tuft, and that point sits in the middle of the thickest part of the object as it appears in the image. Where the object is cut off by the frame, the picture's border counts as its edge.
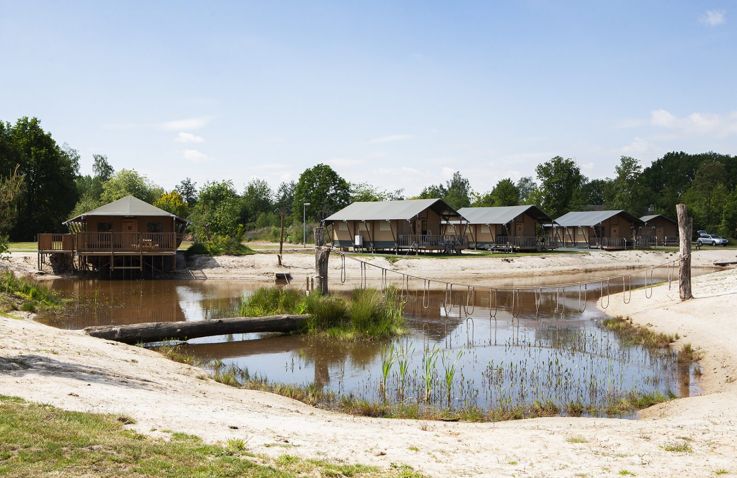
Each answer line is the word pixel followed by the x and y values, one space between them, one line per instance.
pixel 41 440
pixel 678 447
pixel 367 313
pixel 20 293
pixel 631 334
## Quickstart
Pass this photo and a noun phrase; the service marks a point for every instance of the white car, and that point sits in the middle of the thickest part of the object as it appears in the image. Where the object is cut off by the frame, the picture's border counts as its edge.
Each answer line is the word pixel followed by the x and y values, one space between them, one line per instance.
pixel 711 239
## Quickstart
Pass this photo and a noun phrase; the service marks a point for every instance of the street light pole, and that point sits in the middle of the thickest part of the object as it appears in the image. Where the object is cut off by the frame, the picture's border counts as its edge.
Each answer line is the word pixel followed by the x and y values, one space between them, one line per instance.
pixel 304 224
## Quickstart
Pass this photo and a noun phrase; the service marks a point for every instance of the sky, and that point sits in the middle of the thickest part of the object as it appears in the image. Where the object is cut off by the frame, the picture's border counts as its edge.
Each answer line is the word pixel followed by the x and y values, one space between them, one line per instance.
pixel 397 94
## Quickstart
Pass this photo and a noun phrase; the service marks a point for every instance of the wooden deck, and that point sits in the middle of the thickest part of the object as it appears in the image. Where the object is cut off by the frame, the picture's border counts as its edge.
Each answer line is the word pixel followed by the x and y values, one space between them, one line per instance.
pixel 82 246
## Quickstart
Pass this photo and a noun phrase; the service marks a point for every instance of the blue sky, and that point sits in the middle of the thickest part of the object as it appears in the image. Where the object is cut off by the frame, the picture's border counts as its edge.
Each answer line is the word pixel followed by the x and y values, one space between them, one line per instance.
pixel 398 94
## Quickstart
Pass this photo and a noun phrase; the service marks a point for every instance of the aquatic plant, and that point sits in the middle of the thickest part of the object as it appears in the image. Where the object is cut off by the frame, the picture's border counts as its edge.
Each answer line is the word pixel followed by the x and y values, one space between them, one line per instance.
pixel 403 359
pixel 449 367
pixel 429 359
pixel 367 313
pixel 387 360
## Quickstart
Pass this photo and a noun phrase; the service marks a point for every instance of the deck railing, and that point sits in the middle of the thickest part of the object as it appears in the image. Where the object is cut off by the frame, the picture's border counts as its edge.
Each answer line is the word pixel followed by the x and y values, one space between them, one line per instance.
pixel 142 242
pixel 433 241
pixel 55 242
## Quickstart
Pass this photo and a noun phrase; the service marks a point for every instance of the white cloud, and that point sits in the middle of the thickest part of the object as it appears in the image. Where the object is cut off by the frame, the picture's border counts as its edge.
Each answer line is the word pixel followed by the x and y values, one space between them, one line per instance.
pixel 391 138
pixel 194 156
pixel 713 18
pixel 186 124
pixel 696 124
pixel 638 146
pixel 189 138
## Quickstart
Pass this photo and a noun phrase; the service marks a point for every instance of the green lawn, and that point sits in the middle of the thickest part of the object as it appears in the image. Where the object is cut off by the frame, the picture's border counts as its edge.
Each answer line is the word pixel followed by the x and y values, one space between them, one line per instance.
pixel 23 246
pixel 41 440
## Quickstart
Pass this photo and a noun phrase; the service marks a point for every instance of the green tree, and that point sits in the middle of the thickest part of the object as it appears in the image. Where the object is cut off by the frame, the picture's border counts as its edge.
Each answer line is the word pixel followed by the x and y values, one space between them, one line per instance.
pixel 707 195
pixel 560 185
pixel 627 188
pixel 174 203
pixel 364 192
pixel 728 224
pixel 458 191
pixel 597 192
pixel 433 192
pixel 102 167
pixel 49 172
pixel 505 193
pixel 285 197
pixel 188 190
pixel 11 188
pixel 217 211
pixel 258 202
pixel 324 189
pixel 527 188
pixel 129 182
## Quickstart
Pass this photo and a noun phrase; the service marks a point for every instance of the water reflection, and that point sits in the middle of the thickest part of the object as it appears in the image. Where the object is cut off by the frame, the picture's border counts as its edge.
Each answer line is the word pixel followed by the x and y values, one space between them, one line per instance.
pixel 515 346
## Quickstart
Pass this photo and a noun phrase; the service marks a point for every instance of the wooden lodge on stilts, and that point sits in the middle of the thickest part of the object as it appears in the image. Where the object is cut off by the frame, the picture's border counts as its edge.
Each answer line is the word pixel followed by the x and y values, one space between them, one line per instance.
pixel 127 234
pixel 611 230
pixel 660 230
pixel 411 225
pixel 506 228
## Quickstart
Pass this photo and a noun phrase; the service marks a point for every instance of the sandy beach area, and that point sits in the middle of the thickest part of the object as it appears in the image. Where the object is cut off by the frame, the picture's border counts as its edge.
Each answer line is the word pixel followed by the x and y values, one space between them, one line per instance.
pixel 74 371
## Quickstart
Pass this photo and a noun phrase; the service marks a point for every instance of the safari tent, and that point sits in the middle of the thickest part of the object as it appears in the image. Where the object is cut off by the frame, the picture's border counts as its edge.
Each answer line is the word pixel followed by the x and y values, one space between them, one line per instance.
pixel 517 227
pixel 405 225
pixel 615 229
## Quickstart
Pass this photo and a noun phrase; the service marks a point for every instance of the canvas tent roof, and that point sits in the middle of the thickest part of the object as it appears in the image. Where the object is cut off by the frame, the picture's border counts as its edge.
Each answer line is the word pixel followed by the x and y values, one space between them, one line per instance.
pixel 649 218
pixel 128 206
pixel 500 215
pixel 592 218
pixel 390 210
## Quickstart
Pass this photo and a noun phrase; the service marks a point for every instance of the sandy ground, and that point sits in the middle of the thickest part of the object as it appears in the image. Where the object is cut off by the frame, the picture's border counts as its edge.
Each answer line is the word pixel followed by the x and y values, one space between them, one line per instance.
pixel 470 269
pixel 77 372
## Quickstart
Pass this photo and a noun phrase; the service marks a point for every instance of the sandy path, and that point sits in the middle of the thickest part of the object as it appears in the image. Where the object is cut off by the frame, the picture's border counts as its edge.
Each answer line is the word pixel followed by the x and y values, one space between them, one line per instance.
pixel 74 371
pixel 483 270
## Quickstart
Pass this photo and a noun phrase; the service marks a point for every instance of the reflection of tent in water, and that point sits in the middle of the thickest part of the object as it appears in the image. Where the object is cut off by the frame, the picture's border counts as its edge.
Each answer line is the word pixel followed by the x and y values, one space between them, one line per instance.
pixel 322 353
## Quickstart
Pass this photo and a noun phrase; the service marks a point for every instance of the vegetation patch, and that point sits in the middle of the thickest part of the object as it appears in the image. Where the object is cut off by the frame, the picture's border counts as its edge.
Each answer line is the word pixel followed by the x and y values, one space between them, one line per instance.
pixel 367 313
pixel 220 245
pixel 315 396
pixel 19 293
pixel 631 334
pixel 44 440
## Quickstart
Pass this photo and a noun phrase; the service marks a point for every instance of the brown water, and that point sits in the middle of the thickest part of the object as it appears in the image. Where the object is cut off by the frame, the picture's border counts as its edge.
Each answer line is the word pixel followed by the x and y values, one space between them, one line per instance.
pixel 505 348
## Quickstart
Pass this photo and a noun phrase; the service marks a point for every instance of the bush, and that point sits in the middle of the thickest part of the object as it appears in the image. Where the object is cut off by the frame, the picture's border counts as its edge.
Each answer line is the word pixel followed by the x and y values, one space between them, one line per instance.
pixel 368 313
pixel 220 246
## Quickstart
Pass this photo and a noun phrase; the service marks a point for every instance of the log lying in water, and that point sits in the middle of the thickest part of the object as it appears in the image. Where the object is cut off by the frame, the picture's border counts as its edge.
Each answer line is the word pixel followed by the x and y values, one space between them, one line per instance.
pixel 158 331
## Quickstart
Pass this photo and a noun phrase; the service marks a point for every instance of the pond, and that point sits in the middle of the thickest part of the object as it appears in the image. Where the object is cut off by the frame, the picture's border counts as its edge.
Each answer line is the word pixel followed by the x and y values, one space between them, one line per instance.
pixel 481 350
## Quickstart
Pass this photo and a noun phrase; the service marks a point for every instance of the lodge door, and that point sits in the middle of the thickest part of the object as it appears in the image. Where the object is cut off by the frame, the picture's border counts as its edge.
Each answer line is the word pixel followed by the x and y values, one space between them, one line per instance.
pixel 130 226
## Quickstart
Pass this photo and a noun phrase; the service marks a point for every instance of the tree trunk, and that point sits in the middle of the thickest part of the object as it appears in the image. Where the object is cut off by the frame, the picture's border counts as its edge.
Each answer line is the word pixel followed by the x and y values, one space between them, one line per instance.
pixel 684 265
pixel 159 331
pixel 322 254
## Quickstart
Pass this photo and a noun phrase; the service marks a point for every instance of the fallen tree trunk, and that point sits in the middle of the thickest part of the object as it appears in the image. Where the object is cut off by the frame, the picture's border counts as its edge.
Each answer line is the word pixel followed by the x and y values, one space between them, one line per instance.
pixel 158 331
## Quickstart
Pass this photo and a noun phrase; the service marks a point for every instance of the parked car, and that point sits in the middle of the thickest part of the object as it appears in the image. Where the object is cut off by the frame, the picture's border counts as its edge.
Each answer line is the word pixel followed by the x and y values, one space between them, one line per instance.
pixel 711 239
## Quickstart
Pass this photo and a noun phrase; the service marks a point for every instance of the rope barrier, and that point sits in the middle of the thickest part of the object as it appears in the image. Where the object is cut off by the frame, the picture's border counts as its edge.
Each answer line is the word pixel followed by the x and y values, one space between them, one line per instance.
pixel 626 298
pixel 649 284
pixel 496 304
pixel 470 305
pixel 426 294
pixel 470 301
pixel 601 295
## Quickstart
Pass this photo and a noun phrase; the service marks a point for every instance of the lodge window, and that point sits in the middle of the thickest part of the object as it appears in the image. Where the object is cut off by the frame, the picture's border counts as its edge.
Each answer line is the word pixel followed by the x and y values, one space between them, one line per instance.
pixel 385 226
pixel 342 226
pixel 154 227
pixel 104 227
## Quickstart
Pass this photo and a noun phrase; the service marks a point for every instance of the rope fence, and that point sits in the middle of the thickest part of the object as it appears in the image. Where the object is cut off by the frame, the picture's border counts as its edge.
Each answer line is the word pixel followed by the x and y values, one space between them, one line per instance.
pixel 467 307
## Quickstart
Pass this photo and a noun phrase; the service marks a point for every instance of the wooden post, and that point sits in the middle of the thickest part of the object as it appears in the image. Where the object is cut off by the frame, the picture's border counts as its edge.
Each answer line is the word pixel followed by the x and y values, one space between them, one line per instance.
pixel 684 270
pixel 322 255
pixel 281 235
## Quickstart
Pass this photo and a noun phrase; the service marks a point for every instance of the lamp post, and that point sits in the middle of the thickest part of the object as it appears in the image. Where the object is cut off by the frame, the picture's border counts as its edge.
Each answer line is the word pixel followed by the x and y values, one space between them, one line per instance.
pixel 304 224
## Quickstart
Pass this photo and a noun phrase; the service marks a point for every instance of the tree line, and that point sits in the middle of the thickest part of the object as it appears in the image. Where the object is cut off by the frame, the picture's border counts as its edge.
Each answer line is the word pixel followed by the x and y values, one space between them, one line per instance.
pixel 41 186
